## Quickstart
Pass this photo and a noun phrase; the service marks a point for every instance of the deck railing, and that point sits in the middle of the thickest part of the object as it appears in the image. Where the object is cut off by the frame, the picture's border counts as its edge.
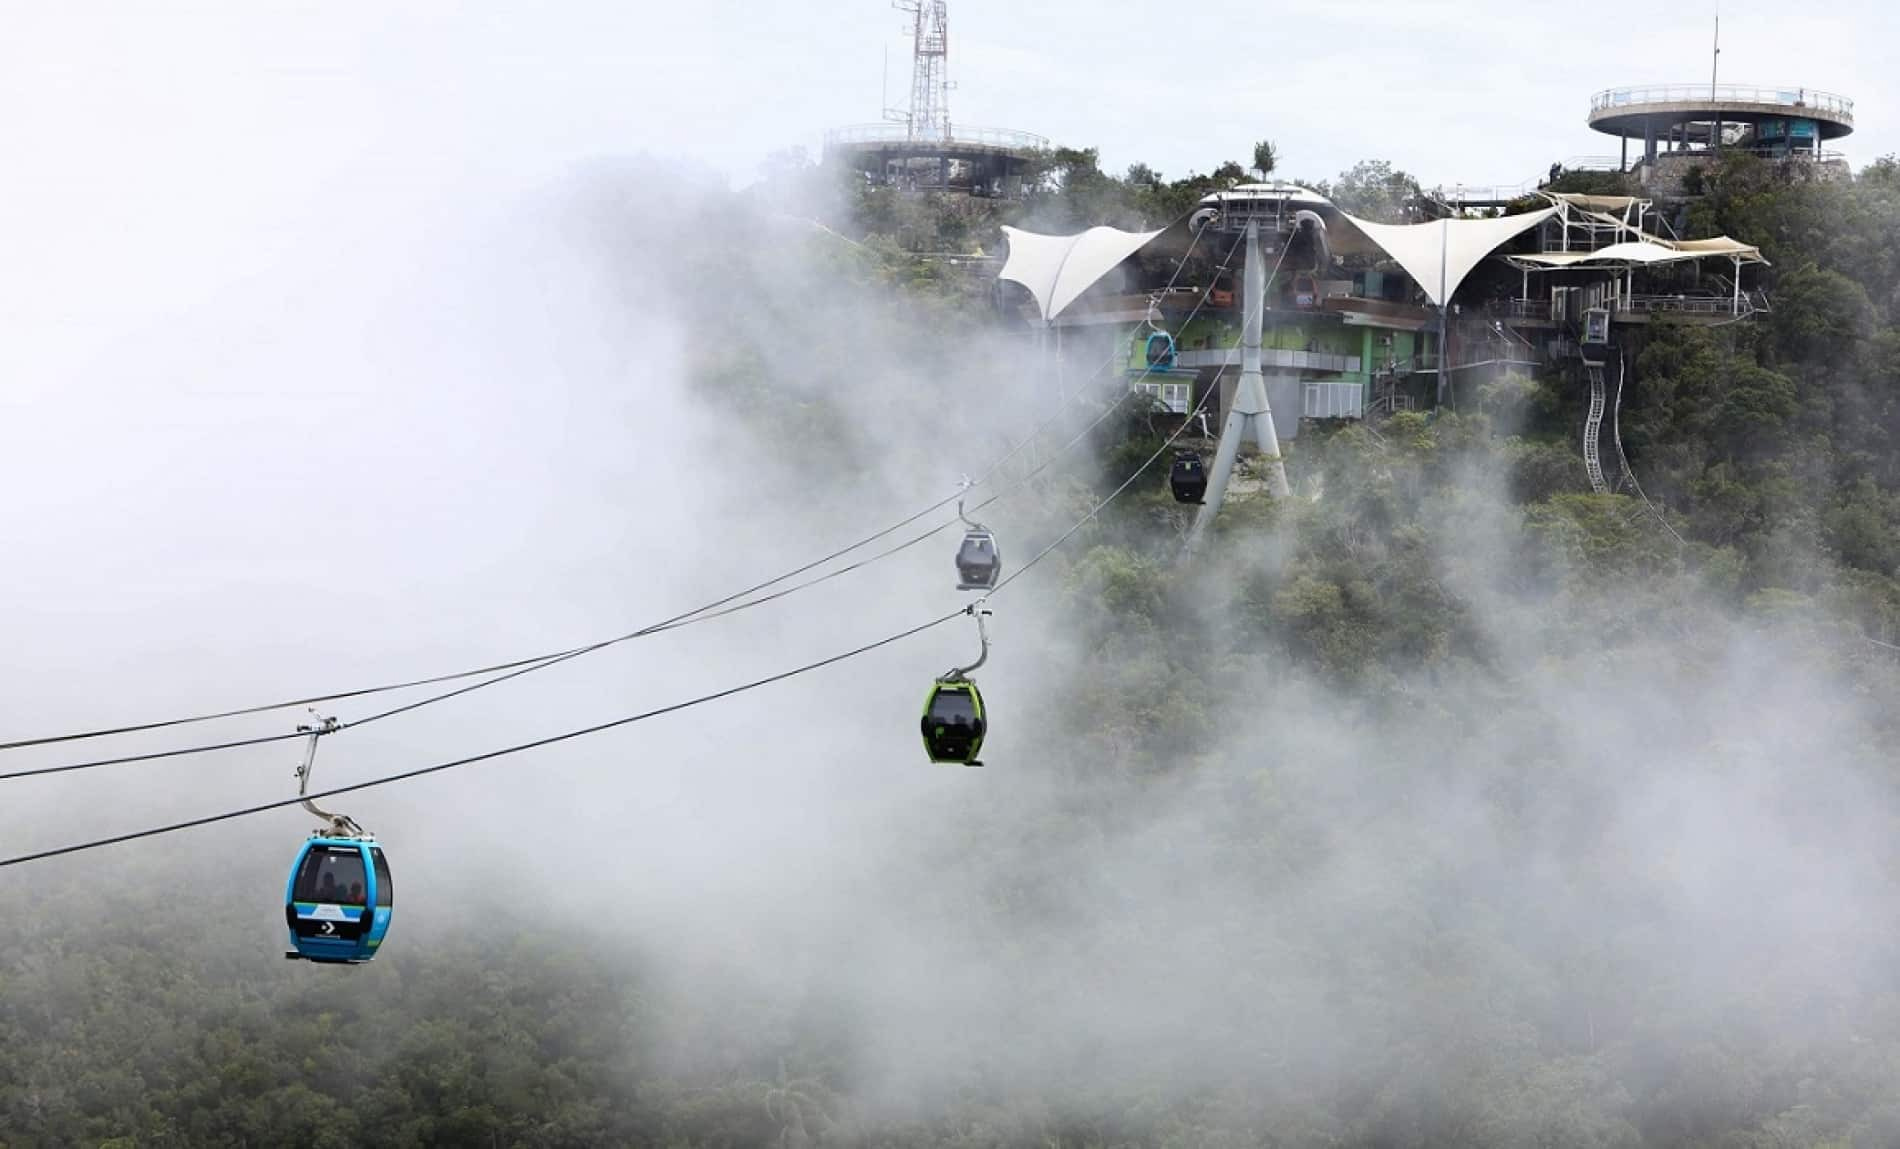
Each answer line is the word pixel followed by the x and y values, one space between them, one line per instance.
pixel 1795 99
pixel 954 136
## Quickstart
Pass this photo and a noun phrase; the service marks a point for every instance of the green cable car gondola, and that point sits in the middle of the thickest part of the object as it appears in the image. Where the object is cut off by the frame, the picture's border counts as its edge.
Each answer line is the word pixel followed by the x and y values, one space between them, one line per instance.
pixel 954 721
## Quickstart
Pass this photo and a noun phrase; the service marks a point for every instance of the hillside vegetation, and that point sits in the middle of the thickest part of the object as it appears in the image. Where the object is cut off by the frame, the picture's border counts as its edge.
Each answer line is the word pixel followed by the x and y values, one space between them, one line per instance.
pixel 1446 805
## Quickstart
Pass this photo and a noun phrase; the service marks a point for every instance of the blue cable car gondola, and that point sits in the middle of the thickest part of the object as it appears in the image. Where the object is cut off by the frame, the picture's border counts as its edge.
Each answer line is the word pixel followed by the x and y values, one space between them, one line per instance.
pixel 1159 351
pixel 339 898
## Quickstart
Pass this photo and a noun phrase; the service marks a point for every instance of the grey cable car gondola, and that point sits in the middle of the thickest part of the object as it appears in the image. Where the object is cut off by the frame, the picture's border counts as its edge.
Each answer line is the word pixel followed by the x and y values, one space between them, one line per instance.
pixel 1187 478
pixel 979 561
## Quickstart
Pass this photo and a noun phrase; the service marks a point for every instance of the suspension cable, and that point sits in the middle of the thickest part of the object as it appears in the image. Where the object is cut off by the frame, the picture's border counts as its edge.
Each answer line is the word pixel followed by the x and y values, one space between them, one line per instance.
pixel 503 672
pixel 505 751
pixel 385 780
pixel 1146 463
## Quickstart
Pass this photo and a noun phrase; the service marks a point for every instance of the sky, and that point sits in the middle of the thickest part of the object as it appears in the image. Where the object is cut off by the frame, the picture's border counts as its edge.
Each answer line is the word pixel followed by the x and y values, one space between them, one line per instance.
pixel 1478 92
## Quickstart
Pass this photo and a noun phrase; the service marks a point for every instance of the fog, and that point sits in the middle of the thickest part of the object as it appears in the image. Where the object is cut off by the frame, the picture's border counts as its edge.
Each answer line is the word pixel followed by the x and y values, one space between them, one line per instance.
pixel 305 393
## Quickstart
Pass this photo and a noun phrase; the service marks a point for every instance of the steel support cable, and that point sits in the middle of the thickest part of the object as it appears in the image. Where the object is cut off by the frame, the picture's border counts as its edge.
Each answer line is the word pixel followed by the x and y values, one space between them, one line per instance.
pixel 889 551
pixel 708 614
pixel 1105 364
pixel 266 807
pixel 403 776
pixel 1107 499
pixel 506 671
pixel 1146 371
pixel 511 670
pixel 533 662
pixel 1138 471
pixel 518 668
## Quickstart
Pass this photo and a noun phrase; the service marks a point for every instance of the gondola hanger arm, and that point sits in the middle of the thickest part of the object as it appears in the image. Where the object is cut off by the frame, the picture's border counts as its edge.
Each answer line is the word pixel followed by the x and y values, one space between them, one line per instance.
pixel 341 825
pixel 981 610
pixel 963 485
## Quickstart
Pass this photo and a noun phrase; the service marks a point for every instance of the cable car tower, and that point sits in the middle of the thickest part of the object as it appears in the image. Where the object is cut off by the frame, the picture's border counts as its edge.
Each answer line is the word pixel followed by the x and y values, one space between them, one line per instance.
pixel 1251 416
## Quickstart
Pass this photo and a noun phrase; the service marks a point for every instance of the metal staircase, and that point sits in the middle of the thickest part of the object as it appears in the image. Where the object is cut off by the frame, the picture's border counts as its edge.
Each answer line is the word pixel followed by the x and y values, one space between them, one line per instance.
pixel 1593 428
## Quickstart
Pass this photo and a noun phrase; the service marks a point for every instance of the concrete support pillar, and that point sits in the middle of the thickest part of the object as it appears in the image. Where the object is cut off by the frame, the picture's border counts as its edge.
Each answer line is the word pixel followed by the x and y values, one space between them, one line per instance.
pixel 1251 415
pixel 1365 366
pixel 1649 141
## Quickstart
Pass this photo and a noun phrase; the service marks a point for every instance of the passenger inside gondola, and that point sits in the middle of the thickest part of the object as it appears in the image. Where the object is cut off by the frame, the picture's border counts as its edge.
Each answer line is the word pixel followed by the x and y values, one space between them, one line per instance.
pixel 330 874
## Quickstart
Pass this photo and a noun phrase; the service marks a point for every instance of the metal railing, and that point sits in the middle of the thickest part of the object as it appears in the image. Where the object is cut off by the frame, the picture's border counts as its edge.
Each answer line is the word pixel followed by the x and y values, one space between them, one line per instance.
pixel 1520 308
pixel 1809 99
pixel 1271 357
pixel 1679 304
pixel 953 136
pixel 1503 193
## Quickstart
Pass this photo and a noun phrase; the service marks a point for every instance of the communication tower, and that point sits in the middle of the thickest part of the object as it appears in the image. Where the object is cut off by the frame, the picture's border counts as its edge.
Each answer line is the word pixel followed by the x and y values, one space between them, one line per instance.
pixel 916 148
pixel 929 114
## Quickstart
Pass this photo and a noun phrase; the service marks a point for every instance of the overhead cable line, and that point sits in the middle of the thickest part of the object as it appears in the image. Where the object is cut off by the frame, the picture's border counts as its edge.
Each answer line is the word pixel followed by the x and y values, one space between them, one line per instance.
pixel 388 779
pixel 506 671
pixel 1133 383
pixel 514 664
pixel 1146 463
pixel 265 807
pixel 385 780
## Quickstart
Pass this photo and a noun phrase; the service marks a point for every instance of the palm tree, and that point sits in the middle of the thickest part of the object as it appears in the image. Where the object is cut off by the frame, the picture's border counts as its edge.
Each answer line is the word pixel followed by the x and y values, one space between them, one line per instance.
pixel 1265 158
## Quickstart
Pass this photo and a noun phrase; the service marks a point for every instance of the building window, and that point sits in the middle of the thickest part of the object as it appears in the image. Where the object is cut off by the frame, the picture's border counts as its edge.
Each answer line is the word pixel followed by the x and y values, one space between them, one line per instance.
pixel 1175 398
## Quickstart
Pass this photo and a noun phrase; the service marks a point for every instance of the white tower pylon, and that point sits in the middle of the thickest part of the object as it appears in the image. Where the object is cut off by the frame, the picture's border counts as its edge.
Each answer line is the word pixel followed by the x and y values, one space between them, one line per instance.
pixel 1251 412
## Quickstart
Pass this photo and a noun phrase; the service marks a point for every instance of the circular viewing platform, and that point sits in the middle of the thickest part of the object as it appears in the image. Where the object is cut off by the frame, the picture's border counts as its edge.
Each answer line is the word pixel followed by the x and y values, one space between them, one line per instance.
pixel 1635 112
pixel 897 139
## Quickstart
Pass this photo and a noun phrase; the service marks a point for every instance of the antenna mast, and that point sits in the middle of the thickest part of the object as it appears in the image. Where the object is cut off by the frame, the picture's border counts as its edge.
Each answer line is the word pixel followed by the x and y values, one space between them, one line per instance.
pixel 1715 60
pixel 1715 69
pixel 929 116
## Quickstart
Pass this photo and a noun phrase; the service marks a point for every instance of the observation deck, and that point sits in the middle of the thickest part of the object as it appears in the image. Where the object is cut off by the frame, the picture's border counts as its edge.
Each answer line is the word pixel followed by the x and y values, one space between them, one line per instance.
pixel 956 142
pixel 982 161
pixel 1657 111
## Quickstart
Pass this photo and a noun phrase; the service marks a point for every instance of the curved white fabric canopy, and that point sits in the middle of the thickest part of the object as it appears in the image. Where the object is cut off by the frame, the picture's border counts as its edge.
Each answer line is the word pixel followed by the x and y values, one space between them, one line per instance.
pixel 1441 253
pixel 1639 252
pixel 1058 268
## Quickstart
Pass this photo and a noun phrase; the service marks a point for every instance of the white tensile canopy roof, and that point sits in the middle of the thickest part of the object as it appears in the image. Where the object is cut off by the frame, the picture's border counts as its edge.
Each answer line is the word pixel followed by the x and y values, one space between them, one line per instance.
pixel 1446 250
pixel 1642 252
pixel 1058 268
pixel 1594 202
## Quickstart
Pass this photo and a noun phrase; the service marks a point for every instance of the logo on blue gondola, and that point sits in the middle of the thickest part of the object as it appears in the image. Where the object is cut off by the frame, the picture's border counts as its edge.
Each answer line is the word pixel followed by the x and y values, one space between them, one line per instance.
pixel 328 913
